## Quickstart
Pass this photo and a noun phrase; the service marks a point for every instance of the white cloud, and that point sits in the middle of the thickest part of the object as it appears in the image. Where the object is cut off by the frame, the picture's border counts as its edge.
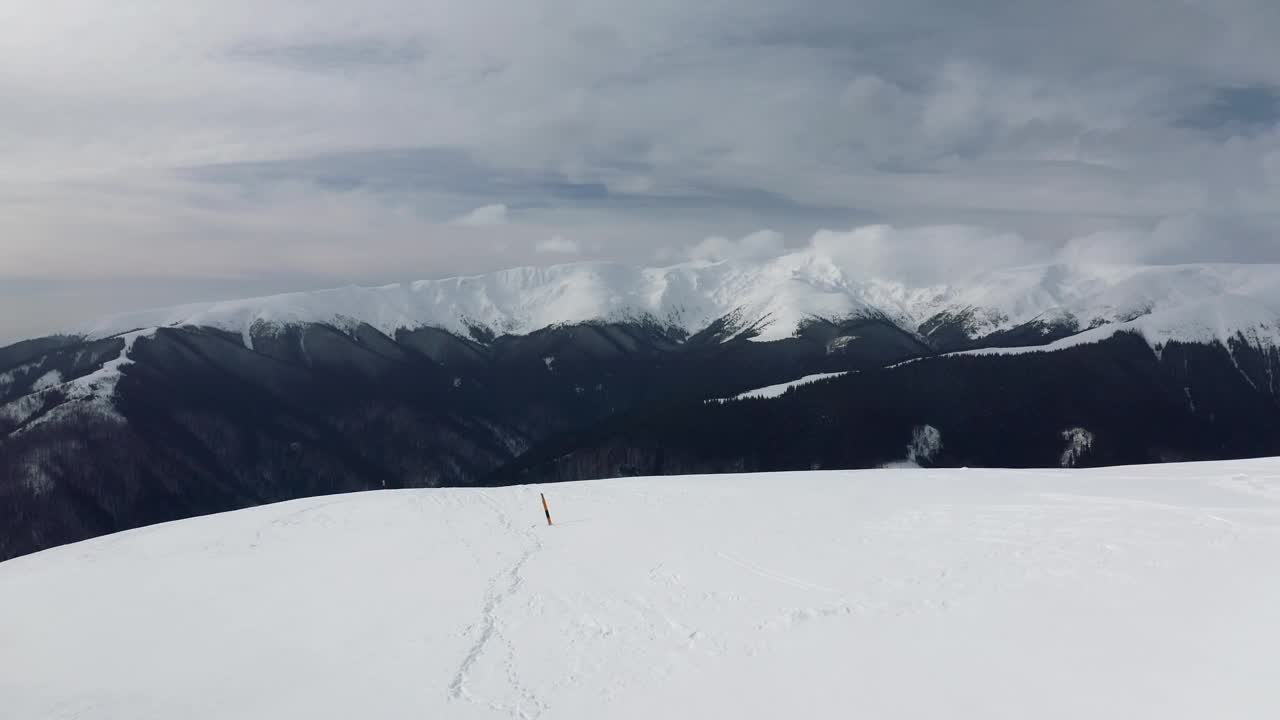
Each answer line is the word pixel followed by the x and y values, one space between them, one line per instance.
pixel 925 255
pixel 558 245
pixel 484 215
pixel 757 245
pixel 1179 239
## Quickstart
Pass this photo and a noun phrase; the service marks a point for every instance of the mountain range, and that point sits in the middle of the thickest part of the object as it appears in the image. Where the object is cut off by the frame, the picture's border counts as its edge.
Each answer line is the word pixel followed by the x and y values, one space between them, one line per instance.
pixel 594 370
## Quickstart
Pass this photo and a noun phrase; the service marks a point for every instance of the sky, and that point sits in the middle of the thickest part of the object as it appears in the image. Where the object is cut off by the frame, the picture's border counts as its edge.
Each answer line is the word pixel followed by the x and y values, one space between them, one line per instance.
pixel 156 152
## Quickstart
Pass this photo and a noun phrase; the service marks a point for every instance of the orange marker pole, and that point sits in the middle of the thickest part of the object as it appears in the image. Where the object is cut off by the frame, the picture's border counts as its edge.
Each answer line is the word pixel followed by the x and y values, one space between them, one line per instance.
pixel 546 509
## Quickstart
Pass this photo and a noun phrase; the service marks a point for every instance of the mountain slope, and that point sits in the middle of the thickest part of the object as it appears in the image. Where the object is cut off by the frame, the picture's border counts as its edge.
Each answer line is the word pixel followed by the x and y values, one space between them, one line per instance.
pixel 1120 593
pixel 989 409
pixel 595 370
pixel 168 423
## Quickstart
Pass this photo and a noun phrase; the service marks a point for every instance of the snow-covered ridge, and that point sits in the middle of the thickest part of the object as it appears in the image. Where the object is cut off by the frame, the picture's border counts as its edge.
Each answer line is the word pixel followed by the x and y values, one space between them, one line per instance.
pixel 780 389
pixel 1223 320
pixel 776 295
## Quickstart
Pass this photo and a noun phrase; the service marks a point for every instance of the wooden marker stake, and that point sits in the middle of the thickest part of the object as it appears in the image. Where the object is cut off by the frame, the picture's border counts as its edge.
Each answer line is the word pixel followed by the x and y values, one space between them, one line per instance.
pixel 546 509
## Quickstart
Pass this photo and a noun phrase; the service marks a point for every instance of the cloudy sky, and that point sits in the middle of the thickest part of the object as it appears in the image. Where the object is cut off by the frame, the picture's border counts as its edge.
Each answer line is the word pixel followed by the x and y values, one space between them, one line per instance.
pixel 157 151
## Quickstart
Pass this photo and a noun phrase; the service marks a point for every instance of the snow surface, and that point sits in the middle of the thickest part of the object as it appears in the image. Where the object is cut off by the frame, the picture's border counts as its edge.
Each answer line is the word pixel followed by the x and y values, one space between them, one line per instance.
pixel 775 295
pixel 1144 592
pixel 50 379
pixel 779 390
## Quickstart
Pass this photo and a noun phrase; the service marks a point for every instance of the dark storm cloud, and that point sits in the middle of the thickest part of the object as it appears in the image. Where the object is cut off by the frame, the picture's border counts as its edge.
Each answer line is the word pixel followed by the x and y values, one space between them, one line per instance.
pixel 1235 110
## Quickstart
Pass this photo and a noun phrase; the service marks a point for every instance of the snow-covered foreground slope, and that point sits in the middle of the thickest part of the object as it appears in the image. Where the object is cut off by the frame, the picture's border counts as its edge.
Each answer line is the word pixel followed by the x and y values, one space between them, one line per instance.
pixel 1131 592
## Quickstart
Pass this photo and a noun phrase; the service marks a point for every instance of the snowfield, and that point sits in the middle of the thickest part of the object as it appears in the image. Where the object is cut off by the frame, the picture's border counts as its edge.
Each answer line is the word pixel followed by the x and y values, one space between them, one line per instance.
pixel 1145 592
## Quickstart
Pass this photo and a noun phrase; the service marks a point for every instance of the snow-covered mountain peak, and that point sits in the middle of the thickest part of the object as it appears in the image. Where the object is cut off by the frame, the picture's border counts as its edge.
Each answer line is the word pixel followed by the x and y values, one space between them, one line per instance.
pixel 775 296
pixel 780 293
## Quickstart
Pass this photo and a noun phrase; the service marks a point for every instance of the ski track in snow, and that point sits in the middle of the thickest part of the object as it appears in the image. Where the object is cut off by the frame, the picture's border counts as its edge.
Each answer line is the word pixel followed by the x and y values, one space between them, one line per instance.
pixel 1052 594
pixel 775 576
pixel 502 587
